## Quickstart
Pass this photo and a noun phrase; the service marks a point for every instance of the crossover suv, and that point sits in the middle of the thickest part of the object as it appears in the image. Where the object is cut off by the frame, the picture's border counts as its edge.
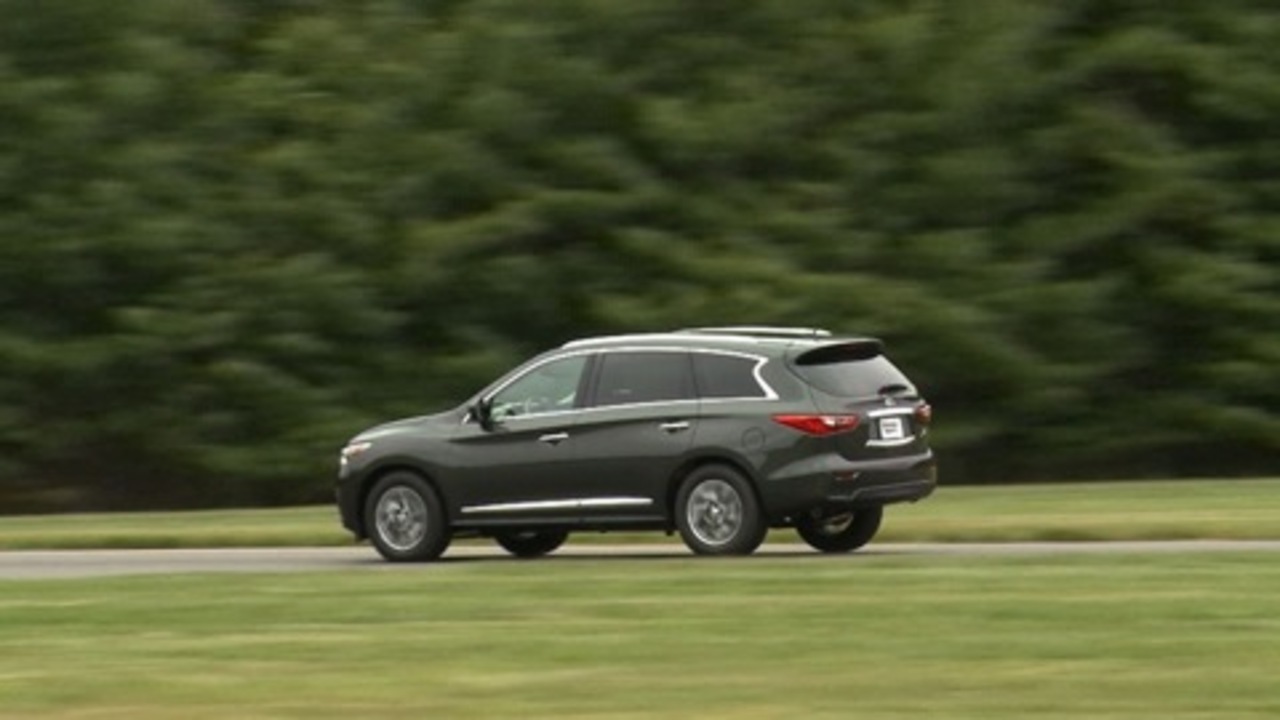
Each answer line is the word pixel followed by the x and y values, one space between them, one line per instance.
pixel 716 433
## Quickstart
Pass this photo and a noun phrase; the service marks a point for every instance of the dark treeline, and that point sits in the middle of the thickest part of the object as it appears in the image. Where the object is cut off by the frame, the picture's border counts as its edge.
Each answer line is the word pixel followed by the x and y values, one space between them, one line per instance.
pixel 234 232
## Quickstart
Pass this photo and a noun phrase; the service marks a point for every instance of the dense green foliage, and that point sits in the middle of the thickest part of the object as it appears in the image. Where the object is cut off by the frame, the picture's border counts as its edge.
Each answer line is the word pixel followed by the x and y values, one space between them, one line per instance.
pixel 233 232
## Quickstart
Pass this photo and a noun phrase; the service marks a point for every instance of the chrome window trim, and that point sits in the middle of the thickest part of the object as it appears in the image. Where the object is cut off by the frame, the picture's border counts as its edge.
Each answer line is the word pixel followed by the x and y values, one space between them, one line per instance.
pixel 769 393
pixel 573 504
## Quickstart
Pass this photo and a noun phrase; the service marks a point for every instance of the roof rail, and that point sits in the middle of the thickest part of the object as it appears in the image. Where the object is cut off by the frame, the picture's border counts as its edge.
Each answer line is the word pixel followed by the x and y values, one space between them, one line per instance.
pixel 764 331
pixel 608 339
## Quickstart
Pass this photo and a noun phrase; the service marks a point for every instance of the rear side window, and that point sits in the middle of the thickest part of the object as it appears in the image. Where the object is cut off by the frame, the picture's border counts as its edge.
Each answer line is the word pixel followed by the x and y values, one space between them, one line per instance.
pixel 867 377
pixel 642 377
pixel 726 376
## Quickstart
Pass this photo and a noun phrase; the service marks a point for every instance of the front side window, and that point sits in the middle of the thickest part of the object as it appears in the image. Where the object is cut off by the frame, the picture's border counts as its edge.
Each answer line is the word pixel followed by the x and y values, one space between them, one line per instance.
pixel 644 377
pixel 551 387
pixel 726 376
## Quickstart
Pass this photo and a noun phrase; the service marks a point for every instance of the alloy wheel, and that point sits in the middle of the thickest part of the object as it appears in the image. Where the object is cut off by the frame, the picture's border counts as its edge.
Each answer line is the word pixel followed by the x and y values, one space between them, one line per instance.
pixel 715 512
pixel 401 518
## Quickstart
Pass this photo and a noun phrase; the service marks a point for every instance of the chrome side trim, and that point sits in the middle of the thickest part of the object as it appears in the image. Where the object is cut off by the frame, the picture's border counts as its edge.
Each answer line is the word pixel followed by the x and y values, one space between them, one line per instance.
pixel 576 504
pixel 614 502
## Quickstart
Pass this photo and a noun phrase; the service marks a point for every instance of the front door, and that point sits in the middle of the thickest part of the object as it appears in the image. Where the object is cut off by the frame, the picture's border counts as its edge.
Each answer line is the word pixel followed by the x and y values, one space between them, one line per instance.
pixel 519 468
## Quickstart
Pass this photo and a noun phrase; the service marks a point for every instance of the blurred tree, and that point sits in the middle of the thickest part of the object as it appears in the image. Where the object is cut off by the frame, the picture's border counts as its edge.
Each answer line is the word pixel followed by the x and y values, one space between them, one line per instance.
pixel 233 233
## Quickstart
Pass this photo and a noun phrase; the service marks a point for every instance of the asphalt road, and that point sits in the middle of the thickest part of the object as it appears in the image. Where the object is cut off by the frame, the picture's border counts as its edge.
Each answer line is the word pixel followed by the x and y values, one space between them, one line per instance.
pixel 41 564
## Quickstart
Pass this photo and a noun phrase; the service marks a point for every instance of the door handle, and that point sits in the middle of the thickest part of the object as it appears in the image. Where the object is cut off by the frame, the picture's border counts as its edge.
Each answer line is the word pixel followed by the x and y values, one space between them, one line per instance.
pixel 554 438
pixel 675 427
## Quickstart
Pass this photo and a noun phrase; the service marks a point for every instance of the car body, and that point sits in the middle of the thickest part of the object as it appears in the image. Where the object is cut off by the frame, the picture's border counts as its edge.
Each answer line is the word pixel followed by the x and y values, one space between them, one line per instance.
pixel 718 433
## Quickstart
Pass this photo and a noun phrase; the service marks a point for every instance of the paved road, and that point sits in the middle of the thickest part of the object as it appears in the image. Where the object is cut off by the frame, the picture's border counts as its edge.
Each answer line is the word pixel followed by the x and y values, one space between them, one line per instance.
pixel 35 564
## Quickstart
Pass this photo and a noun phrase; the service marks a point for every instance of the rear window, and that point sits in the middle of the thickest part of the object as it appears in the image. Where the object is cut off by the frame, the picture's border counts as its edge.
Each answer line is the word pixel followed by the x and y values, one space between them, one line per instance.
pixel 856 378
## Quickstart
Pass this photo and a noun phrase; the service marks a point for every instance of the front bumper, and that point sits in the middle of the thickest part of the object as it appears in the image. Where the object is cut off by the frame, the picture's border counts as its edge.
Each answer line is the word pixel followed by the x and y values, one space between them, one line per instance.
pixel 347 495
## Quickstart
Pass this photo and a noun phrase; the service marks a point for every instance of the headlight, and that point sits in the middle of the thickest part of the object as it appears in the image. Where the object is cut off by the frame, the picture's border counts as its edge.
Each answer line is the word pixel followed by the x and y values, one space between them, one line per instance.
pixel 354 450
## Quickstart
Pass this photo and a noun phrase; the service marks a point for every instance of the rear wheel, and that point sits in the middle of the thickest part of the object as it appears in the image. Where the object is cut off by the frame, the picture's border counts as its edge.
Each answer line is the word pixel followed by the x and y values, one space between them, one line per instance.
pixel 717 512
pixel 842 531
pixel 531 543
pixel 405 519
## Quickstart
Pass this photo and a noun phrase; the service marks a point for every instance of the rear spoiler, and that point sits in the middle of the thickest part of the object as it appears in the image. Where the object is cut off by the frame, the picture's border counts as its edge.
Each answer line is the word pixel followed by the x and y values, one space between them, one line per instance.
pixel 838 351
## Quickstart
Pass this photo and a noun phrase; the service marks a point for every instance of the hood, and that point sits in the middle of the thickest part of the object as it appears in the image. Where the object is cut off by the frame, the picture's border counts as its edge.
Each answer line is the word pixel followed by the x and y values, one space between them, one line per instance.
pixel 396 426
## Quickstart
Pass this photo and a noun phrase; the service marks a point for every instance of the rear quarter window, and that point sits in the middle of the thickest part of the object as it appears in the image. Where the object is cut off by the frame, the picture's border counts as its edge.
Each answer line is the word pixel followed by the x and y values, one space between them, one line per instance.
pixel 726 376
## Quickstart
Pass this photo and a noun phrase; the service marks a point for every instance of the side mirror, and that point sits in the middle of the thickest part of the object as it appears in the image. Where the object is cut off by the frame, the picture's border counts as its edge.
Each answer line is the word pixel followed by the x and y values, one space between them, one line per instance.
pixel 482 411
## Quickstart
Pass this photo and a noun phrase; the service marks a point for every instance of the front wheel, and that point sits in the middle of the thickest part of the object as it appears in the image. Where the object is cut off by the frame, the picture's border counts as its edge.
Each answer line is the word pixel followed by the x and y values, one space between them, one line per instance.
pixel 531 543
pixel 406 519
pixel 840 532
pixel 717 512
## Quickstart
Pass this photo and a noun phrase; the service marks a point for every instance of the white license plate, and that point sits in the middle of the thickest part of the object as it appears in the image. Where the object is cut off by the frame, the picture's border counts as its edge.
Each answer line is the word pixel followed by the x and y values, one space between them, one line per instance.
pixel 892 428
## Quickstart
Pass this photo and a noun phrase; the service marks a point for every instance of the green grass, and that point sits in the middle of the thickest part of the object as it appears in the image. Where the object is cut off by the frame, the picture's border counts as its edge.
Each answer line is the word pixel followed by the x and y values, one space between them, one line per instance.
pixel 202 528
pixel 1228 509
pixel 1133 636
pixel 1168 510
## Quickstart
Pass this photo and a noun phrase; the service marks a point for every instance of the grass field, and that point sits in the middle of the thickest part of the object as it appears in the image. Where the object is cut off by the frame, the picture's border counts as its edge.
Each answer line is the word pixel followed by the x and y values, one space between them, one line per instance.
pixel 1227 509
pixel 1194 636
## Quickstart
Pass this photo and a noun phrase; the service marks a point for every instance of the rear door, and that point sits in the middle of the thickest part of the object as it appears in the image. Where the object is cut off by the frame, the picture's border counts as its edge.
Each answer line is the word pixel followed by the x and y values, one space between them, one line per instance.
pixel 639 422
pixel 856 378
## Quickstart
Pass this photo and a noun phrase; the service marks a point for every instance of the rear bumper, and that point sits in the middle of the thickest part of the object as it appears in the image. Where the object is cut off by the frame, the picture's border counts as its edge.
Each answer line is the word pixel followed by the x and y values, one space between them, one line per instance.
pixel 895 492
pixel 836 483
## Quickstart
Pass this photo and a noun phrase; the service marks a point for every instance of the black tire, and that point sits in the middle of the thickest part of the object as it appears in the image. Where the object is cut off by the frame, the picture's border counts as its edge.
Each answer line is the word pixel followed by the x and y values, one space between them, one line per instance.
pixel 717 512
pixel 531 543
pixel 405 519
pixel 840 532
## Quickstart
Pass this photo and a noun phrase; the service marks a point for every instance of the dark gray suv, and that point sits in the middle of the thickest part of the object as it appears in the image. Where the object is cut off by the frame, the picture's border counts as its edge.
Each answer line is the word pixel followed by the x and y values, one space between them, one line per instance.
pixel 717 433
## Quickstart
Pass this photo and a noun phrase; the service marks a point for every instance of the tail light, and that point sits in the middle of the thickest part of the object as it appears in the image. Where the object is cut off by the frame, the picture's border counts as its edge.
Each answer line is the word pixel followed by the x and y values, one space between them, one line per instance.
pixel 818 425
pixel 924 414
